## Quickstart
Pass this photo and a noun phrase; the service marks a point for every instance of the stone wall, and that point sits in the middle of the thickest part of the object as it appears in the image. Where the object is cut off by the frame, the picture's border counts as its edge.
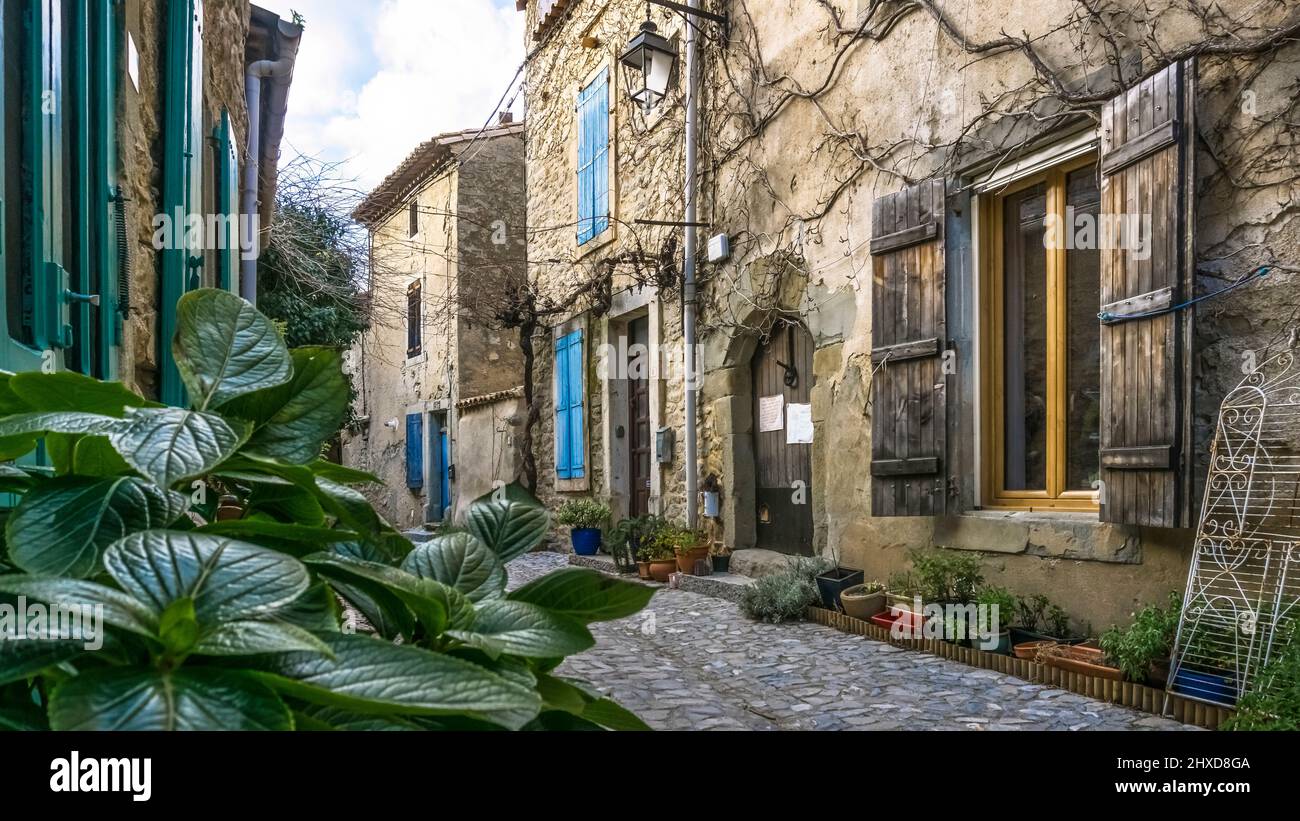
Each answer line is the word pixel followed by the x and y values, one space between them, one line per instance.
pixel 804 125
pixel 587 283
pixel 456 255
pixel 139 120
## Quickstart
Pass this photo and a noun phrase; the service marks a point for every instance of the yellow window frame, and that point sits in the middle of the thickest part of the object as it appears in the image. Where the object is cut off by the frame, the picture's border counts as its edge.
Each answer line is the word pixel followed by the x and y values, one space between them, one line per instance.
pixel 995 493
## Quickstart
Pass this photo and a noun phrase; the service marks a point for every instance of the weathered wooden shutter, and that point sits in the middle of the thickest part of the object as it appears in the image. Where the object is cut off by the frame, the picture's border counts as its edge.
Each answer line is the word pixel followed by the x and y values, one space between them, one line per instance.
pixel 908 329
pixel 593 159
pixel 1147 153
pixel 415 451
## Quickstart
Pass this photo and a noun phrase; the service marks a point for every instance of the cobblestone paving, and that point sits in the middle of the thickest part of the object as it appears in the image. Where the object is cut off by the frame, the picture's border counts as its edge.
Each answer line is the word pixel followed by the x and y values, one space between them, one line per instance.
pixel 690 662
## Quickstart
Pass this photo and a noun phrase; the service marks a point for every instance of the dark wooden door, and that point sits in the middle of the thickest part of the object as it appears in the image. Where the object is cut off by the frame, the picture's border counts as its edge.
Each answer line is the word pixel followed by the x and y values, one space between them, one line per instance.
pixel 783 471
pixel 638 415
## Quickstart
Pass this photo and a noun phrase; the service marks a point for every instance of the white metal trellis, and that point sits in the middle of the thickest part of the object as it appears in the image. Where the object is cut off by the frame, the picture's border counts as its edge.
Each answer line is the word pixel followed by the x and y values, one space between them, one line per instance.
pixel 1240 609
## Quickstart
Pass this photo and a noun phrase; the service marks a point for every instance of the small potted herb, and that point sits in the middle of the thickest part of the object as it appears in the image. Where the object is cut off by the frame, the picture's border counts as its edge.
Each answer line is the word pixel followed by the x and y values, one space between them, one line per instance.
pixel 996 607
pixel 689 547
pixel 862 601
pixel 901 590
pixel 1039 624
pixel 625 541
pixel 659 557
pixel 1141 651
pixel 584 517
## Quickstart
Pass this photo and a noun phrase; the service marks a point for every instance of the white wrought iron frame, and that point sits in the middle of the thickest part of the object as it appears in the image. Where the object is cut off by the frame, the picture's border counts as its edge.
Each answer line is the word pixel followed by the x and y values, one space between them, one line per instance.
pixel 1239 609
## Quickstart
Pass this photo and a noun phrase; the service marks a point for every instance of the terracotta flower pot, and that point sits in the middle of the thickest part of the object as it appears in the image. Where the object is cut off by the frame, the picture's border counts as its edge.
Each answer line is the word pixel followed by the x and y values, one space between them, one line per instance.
pixel 661 569
pixel 1079 659
pixel 859 604
pixel 686 561
pixel 1029 650
pixel 643 570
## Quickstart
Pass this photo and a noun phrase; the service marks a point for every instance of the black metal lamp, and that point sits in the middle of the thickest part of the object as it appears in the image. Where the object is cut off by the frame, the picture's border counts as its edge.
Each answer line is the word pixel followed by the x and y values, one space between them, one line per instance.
pixel 648 62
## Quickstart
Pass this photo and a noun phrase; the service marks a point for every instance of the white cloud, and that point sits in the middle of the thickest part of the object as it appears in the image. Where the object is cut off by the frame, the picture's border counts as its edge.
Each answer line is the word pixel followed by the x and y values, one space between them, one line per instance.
pixel 374 79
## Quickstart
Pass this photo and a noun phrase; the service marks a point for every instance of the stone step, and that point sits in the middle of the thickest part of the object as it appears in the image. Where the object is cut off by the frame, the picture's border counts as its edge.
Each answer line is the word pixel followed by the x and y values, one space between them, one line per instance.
pixel 757 562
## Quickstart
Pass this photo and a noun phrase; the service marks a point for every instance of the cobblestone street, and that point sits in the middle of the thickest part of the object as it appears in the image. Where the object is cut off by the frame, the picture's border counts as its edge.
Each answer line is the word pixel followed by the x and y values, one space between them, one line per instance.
pixel 694 662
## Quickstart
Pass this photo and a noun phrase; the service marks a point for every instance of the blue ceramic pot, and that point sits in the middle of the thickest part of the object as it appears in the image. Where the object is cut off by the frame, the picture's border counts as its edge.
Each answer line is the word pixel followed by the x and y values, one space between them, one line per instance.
pixel 586 540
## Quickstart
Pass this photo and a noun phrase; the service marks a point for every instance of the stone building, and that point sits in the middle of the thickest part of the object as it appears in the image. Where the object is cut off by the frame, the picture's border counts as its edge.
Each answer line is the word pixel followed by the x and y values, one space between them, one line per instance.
pixel 145 126
pixel 888 176
pixel 439 380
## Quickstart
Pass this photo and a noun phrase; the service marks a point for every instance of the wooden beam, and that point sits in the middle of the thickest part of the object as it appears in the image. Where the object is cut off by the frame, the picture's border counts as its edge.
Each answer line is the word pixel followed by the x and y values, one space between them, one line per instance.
pixel 1149 457
pixel 905 467
pixel 903 351
pixel 902 239
pixel 1144 145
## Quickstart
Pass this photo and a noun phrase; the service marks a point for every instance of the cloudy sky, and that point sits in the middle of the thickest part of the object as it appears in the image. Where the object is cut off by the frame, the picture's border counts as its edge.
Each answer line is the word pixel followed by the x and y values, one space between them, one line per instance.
pixel 376 77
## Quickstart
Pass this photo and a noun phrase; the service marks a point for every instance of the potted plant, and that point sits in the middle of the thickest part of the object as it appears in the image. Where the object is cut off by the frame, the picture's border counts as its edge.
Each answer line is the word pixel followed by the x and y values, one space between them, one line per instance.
pixel 721 555
pixel 1080 658
pixel 584 517
pixel 901 591
pixel 1207 668
pixel 625 541
pixel 862 601
pixel 996 607
pixel 1042 623
pixel 660 559
pixel 689 547
pixel 946 576
pixel 1141 651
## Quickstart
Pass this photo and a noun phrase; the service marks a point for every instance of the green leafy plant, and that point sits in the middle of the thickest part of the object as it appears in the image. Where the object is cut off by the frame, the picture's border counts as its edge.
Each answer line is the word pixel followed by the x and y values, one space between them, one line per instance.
pixel 786 596
pixel 902 583
pixel 1032 612
pixel 1147 640
pixel 581 514
pixel 1005 602
pixel 1058 622
pixel 243 623
pixel 1273 700
pixel 946 575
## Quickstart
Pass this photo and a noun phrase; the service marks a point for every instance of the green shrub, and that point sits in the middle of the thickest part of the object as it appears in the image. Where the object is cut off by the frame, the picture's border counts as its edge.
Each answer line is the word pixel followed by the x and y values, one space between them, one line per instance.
pixel 785 596
pixel 236 624
pixel 946 575
pixel 1148 639
pixel 1004 600
pixel 582 513
pixel 1273 702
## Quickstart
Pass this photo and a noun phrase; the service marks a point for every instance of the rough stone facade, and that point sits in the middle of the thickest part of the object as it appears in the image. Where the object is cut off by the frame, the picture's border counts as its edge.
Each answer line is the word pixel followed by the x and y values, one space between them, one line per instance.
pixel 468 193
pixel 813 110
pixel 140 116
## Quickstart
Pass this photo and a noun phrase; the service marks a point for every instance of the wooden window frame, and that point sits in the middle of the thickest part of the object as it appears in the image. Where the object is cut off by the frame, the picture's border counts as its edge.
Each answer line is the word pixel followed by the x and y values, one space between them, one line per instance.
pixel 414 320
pixel 994 494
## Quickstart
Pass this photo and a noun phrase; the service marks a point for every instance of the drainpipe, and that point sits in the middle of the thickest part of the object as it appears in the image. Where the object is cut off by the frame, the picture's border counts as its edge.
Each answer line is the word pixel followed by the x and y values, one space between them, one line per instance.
pixel 280 73
pixel 688 270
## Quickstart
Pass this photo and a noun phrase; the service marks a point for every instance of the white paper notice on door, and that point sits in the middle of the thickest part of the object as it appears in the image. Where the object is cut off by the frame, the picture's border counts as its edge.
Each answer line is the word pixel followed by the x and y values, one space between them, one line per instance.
pixel 799 427
pixel 770 413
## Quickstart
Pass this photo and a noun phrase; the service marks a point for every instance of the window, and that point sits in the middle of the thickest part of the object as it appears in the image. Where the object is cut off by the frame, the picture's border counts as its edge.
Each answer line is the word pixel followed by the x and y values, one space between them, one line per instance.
pixel 56 160
pixel 593 159
pixel 414 339
pixel 570 441
pixel 1042 384
pixel 415 451
pixel 414 227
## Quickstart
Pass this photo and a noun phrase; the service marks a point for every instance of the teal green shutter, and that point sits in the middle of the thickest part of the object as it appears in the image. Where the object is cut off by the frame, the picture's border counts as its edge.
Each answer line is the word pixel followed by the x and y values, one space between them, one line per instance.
pixel 228 204
pixel 593 159
pixel 182 175
pixel 104 184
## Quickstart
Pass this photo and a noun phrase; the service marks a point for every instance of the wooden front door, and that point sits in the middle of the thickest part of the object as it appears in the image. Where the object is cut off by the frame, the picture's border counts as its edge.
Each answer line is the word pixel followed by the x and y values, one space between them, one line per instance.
pixel 783 382
pixel 638 415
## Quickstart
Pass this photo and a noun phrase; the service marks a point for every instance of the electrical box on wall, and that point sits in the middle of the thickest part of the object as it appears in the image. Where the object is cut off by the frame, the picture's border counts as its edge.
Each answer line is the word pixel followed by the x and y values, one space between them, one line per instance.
pixel 719 248
pixel 665 438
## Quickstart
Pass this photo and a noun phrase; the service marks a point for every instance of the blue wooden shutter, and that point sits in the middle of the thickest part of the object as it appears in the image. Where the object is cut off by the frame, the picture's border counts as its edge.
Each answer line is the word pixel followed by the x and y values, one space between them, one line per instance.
pixel 563 470
pixel 570 453
pixel 415 451
pixel 593 159
pixel 577 453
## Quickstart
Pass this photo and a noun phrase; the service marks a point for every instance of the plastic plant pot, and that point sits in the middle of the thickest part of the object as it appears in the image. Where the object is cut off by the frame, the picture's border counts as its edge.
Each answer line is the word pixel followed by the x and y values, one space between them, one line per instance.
pixel 586 540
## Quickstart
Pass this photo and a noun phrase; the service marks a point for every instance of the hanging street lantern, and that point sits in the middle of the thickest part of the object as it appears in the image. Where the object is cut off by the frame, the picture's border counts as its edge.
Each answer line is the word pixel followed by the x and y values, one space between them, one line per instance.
pixel 649 62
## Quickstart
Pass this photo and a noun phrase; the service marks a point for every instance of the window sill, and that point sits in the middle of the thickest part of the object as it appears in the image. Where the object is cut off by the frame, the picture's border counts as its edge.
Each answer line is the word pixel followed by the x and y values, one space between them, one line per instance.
pixel 1071 535
pixel 596 243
